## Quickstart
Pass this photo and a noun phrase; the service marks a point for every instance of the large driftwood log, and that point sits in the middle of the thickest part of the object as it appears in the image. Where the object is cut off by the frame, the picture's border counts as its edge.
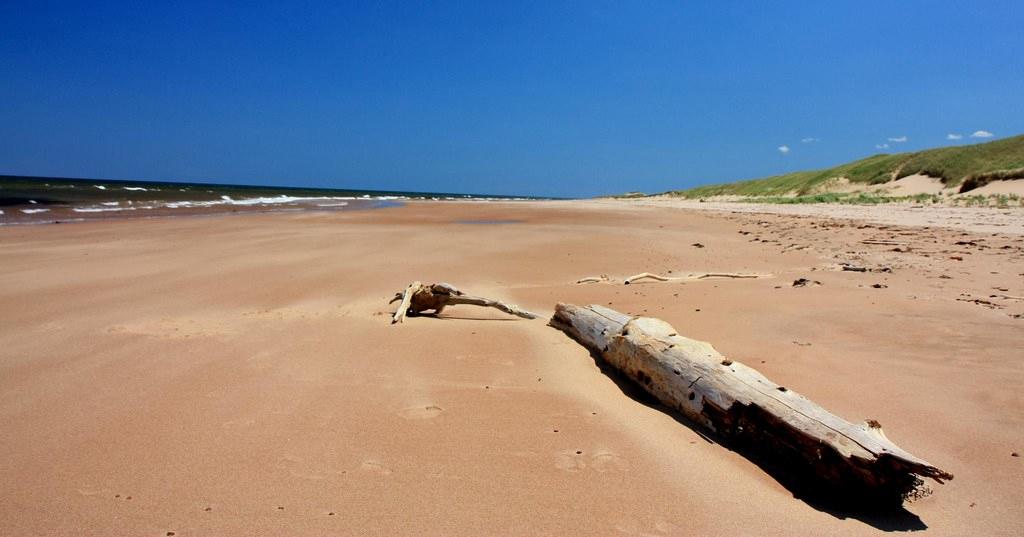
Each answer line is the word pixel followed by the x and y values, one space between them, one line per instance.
pixel 750 413
pixel 419 298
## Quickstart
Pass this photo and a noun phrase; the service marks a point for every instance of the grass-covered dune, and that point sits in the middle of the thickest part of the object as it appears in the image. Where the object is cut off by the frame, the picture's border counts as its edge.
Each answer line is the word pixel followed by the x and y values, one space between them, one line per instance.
pixel 968 166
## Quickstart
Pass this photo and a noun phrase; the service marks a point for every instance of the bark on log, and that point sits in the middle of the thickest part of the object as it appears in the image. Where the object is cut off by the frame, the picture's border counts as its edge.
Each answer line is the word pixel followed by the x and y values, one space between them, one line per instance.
pixel 750 413
pixel 419 298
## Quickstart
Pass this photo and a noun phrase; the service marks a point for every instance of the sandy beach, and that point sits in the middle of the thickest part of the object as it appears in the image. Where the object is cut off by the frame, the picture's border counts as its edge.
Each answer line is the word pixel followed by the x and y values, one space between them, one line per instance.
pixel 239 375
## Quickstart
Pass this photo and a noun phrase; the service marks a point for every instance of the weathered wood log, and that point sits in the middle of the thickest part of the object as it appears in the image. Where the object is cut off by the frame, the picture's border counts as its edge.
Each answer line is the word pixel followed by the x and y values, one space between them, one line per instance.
pixel 419 298
pixel 764 421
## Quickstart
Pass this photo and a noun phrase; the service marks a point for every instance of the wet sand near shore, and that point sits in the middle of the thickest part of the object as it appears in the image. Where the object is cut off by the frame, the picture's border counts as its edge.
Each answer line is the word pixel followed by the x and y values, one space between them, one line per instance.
pixel 239 375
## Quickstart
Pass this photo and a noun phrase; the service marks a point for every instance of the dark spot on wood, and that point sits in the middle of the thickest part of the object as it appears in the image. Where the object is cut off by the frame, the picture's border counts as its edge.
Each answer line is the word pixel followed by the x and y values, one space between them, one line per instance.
pixel 726 362
pixel 782 389
pixel 692 396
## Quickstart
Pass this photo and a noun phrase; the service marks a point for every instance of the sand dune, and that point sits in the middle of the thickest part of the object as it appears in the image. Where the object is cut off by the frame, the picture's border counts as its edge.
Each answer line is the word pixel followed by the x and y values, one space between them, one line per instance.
pixel 238 375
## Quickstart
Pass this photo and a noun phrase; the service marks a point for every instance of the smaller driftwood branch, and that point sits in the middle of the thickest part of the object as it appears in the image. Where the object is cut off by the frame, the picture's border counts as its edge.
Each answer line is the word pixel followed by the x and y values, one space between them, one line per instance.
pixel 687 277
pixel 643 275
pixel 883 242
pixel 419 298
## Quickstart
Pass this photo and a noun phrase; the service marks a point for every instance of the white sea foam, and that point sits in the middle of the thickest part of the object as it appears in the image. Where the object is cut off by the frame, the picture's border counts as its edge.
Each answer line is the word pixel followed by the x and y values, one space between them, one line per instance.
pixel 101 187
pixel 228 200
pixel 339 204
pixel 136 188
pixel 34 211
pixel 110 203
pixel 101 209
pixel 33 202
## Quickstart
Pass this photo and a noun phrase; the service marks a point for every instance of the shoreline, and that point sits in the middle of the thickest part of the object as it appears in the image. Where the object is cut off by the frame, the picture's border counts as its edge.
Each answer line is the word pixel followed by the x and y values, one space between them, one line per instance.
pixel 974 219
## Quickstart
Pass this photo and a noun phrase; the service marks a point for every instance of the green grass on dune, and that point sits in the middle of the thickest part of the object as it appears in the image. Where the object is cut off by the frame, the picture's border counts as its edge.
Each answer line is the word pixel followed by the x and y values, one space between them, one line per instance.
pixel 968 165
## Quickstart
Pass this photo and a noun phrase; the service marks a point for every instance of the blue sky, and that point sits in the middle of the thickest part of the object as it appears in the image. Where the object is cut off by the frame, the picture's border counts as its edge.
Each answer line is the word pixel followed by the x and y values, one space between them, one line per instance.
pixel 545 98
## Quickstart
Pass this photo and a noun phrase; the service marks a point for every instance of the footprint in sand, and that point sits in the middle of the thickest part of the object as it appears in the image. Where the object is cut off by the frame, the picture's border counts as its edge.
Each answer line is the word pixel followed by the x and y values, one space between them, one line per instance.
pixel 238 424
pixel 92 491
pixel 292 314
pixel 635 527
pixel 570 461
pixel 375 466
pixel 421 412
pixel 600 461
pixel 298 468
pixel 606 461
pixel 175 328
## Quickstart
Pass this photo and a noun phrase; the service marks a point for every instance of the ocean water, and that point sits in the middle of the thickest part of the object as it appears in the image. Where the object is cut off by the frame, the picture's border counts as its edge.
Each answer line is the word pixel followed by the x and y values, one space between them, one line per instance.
pixel 26 200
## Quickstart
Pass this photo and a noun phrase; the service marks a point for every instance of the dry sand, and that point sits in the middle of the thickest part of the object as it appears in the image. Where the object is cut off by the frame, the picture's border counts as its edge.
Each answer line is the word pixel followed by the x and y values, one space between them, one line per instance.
pixel 973 219
pixel 910 185
pixel 237 375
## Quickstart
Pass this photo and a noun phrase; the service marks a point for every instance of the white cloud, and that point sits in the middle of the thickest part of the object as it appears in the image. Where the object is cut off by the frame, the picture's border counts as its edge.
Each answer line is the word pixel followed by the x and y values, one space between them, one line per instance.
pixel 809 139
pixel 898 139
pixel 981 134
pixel 954 136
pixel 881 146
pixel 783 149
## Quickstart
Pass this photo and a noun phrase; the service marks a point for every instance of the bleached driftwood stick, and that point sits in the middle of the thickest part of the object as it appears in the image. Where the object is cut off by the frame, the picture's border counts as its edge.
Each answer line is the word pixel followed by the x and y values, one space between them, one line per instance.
pixel 752 414
pixel 406 297
pixel 660 278
pixel 643 275
pixel 418 298
pixel 883 242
